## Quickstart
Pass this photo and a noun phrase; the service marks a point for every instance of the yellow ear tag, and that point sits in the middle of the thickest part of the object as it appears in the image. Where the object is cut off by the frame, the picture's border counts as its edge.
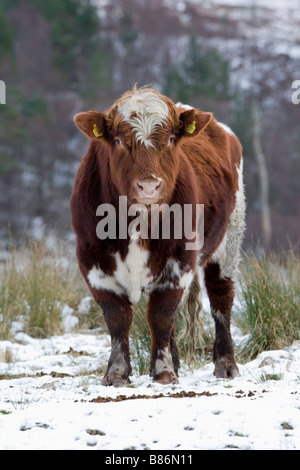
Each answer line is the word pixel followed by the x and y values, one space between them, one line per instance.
pixel 191 127
pixel 96 131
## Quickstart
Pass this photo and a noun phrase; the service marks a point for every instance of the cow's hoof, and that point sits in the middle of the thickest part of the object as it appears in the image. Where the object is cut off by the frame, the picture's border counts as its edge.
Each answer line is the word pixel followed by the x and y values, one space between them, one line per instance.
pixel 115 380
pixel 166 378
pixel 226 369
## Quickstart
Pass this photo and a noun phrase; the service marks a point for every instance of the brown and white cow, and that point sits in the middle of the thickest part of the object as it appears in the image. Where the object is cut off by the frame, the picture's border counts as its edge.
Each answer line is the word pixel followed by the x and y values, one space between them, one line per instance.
pixel 153 152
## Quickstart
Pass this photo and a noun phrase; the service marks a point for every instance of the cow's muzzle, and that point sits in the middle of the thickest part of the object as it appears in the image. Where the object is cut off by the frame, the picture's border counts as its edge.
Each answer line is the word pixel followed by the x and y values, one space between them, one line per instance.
pixel 148 190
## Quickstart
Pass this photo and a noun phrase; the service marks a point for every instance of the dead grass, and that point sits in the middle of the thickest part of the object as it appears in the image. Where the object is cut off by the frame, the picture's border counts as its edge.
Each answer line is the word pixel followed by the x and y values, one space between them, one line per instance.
pixel 35 282
pixel 270 311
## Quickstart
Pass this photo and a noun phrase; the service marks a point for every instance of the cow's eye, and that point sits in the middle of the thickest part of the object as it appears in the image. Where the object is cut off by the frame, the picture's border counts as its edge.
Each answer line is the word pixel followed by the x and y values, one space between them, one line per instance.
pixel 118 141
pixel 172 140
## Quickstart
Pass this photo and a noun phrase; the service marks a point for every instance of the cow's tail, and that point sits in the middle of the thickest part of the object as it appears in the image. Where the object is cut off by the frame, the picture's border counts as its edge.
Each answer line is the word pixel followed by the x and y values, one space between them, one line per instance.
pixel 191 334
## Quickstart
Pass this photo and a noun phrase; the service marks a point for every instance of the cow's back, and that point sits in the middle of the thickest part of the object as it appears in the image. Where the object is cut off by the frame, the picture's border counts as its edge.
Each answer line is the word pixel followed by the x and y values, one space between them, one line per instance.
pixel 216 157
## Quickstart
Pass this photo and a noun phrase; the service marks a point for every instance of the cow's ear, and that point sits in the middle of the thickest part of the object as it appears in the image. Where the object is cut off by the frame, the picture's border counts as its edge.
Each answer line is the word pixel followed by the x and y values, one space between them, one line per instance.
pixel 193 121
pixel 91 123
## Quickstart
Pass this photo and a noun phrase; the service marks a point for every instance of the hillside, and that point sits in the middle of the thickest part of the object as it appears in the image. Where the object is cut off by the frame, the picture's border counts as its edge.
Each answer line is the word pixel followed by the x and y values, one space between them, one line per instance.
pixel 57 58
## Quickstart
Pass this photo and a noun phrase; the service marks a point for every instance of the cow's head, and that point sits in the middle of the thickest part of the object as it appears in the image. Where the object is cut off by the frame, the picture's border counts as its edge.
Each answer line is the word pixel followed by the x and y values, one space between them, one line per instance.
pixel 143 131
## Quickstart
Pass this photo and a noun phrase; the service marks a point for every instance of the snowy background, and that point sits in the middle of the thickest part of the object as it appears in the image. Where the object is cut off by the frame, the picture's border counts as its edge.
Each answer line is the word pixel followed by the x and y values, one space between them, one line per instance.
pixel 62 57
pixel 51 397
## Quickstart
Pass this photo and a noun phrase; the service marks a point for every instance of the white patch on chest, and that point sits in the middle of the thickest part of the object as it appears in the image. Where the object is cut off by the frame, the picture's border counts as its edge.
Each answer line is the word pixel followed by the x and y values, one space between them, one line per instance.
pixel 133 274
pixel 144 111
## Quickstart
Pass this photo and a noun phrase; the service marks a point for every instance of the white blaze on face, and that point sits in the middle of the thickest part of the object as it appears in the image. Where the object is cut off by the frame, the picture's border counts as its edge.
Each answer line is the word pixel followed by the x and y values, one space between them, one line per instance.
pixel 144 111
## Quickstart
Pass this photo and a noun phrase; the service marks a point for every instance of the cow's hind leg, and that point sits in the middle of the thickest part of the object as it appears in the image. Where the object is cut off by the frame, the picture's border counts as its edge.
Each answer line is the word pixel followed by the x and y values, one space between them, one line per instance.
pixel 118 316
pixel 221 294
pixel 162 309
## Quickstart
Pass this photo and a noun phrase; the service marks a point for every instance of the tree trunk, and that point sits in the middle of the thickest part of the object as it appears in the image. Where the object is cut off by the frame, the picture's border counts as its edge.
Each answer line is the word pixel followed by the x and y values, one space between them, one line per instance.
pixel 263 176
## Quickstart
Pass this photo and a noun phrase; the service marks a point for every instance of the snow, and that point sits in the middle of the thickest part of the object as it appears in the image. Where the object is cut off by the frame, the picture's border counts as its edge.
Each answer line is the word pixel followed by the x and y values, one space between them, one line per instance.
pixel 47 387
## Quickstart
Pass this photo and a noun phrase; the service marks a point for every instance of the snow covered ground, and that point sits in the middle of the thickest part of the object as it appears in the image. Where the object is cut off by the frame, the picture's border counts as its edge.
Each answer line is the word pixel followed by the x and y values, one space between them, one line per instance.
pixel 51 398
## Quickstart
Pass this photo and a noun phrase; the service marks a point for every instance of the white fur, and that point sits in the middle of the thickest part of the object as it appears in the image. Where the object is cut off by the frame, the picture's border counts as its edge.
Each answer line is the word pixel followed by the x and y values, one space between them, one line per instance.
pixel 185 106
pixel 131 276
pixel 132 273
pixel 186 280
pixel 172 272
pixel 164 364
pixel 99 280
pixel 174 265
pixel 226 128
pixel 175 278
pixel 150 112
pixel 218 316
pixel 228 252
pixel 158 178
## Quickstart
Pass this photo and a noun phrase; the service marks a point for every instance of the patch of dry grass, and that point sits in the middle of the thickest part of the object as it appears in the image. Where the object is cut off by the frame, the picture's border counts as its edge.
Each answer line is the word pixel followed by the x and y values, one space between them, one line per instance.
pixel 271 302
pixel 35 282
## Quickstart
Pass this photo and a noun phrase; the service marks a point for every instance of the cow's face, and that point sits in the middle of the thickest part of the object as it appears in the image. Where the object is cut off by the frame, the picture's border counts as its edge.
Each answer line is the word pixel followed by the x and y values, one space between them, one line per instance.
pixel 143 131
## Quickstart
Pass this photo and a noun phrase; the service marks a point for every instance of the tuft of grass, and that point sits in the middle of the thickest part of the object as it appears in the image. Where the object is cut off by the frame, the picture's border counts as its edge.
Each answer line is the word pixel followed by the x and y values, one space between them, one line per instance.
pixel 270 312
pixel 286 425
pixel 141 337
pixel 204 336
pixel 36 281
pixel 264 377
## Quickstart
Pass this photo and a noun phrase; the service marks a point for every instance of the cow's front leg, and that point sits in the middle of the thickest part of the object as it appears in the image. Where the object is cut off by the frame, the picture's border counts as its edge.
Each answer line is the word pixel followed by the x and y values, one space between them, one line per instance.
pixel 220 291
pixel 118 316
pixel 162 309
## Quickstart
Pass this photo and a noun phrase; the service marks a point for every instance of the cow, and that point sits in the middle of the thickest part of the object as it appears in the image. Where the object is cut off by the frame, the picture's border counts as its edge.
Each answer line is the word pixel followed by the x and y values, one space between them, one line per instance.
pixel 157 153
